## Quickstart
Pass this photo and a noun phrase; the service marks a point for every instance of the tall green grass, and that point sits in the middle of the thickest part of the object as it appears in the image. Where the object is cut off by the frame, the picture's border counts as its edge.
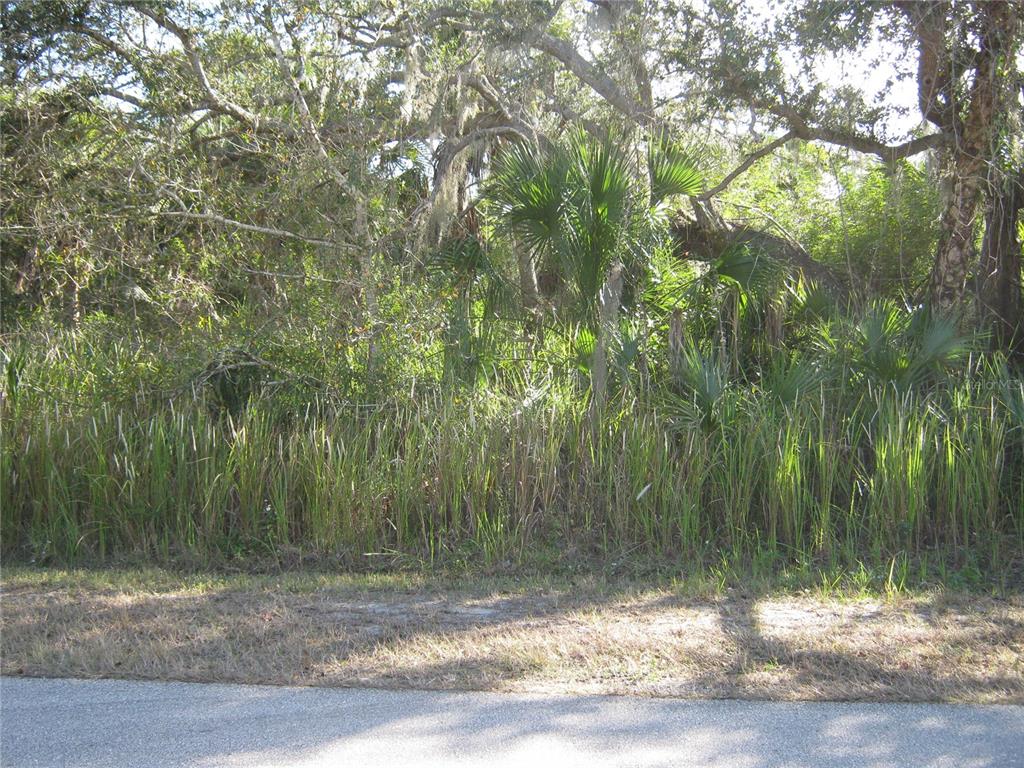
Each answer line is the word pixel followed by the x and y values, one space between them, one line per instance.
pixel 877 476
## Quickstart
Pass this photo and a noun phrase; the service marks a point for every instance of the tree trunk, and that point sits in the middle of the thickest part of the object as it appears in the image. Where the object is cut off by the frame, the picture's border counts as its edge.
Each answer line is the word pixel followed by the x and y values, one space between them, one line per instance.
pixel 528 289
pixel 1000 288
pixel 955 253
pixel 369 282
pixel 608 316
pixel 973 151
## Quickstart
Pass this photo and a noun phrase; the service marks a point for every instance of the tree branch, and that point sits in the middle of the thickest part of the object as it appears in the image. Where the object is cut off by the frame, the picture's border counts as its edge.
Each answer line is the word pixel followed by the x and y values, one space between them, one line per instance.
pixel 127 98
pixel 935 95
pixel 750 159
pixel 449 150
pixel 216 101
pixel 869 145
pixel 312 133
pixel 885 152
pixel 569 115
pixel 272 231
pixel 797 125
pixel 602 84
pixel 105 42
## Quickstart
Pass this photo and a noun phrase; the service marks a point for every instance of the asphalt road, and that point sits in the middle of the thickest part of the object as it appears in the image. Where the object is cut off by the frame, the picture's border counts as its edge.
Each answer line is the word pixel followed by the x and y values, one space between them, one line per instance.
pixel 121 723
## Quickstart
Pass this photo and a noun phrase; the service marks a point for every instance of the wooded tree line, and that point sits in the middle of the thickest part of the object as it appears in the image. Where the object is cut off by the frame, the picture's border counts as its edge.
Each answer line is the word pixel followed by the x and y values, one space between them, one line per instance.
pixel 500 280
pixel 366 130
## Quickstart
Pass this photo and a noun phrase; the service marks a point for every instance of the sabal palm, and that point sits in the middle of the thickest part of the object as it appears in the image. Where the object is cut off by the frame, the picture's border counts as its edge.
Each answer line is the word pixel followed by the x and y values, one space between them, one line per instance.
pixel 584 204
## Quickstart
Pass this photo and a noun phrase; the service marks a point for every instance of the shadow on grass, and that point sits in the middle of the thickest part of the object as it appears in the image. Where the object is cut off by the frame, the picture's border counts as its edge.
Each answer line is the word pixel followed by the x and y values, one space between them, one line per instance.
pixel 610 639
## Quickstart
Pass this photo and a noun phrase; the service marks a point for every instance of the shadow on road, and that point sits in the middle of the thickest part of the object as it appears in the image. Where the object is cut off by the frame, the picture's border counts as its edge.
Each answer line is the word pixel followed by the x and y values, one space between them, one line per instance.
pixel 84 723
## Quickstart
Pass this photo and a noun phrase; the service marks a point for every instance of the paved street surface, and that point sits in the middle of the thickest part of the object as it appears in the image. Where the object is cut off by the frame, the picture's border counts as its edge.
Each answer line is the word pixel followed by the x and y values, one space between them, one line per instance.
pixel 120 723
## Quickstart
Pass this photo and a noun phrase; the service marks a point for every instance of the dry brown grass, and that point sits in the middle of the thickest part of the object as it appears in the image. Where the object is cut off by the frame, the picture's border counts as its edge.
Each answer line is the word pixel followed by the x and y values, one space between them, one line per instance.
pixel 400 633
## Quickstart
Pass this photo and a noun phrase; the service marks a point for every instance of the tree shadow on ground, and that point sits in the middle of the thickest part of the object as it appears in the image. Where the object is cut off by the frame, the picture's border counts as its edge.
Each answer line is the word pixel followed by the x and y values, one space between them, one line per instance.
pixel 610 640
pixel 123 723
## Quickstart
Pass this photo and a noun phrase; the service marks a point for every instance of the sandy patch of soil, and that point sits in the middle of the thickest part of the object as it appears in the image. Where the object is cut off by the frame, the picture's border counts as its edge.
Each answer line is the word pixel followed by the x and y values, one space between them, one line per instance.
pixel 936 647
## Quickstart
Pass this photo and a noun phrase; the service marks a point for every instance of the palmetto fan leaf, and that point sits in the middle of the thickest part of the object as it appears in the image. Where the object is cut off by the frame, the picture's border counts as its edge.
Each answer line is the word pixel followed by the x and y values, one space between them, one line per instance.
pixel 460 259
pixel 674 170
pixel 528 186
pixel 787 377
pixel 598 210
pixel 903 348
pixel 703 378
pixel 745 267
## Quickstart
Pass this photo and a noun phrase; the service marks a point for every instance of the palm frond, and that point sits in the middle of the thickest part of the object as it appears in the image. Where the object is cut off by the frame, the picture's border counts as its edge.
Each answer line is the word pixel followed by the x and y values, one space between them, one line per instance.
pixel 788 377
pixel 746 267
pixel 703 377
pixel 597 211
pixel 903 348
pixel 809 302
pixel 460 259
pixel 528 186
pixel 674 169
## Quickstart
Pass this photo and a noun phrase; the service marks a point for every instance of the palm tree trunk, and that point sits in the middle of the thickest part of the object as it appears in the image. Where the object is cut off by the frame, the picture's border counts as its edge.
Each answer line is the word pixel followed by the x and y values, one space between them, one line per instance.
pixel 528 289
pixel 609 301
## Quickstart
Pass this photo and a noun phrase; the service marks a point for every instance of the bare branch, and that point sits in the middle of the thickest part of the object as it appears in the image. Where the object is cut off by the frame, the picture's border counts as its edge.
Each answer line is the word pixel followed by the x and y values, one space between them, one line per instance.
pixel 105 42
pixel 312 133
pixel 127 98
pixel 802 126
pixel 750 159
pixel 482 85
pixel 797 125
pixel 295 276
pixel 572 116
pixel 272 231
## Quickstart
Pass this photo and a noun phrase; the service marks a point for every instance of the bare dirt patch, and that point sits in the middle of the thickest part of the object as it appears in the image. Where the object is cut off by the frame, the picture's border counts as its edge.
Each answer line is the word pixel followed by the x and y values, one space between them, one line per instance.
pixel 930 647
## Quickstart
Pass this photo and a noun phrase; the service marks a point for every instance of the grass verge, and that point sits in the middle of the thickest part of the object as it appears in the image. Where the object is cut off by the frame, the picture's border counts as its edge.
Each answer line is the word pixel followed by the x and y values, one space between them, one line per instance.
pixel 541 635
